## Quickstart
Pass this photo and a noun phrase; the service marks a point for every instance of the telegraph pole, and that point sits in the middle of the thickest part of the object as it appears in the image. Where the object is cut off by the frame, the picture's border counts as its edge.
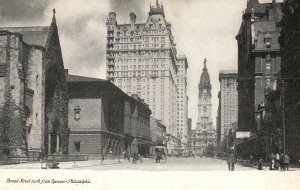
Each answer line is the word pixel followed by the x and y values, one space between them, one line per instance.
pixel 283 116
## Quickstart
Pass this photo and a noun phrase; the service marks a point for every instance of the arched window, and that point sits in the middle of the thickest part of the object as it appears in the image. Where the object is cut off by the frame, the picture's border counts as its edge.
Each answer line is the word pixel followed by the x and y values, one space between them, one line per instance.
pixel 28 116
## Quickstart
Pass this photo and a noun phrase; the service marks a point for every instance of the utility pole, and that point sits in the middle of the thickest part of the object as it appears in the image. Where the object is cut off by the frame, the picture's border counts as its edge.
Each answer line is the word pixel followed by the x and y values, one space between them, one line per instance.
pixel 283 116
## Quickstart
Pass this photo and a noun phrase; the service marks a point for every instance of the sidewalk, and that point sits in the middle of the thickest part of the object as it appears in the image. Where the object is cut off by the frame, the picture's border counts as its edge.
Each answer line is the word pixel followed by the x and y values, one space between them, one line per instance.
pixel 246 163
pixel 62 165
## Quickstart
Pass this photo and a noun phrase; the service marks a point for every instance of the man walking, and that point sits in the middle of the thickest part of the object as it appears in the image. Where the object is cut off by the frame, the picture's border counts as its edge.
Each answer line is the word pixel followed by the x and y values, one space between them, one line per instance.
pixel 286 162
pixel 231 161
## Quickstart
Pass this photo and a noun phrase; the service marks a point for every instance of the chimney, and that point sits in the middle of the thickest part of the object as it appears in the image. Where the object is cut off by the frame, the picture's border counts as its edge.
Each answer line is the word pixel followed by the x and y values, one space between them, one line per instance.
pixel 132 20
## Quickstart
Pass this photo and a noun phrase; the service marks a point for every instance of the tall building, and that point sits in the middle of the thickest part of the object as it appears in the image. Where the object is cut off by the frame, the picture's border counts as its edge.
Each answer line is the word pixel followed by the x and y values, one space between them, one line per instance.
pixel 258 58
pixel 205 133
pixel 182 101
pixel 189 133
pixel 141 59
pixel 33 93
pixel 228 101
pixel 218 121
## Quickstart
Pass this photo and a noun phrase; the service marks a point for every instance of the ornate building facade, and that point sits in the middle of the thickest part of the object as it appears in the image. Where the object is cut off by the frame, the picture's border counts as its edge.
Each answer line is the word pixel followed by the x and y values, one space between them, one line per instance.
pixel 33 92
pixel 141 59
pixel 205 134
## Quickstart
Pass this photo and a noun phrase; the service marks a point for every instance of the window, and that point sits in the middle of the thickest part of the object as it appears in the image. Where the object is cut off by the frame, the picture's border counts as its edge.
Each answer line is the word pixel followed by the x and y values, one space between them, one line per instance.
pixel 77 146
pixel 268 57
pixel 77 113
pixel 268 67
pixel 268 42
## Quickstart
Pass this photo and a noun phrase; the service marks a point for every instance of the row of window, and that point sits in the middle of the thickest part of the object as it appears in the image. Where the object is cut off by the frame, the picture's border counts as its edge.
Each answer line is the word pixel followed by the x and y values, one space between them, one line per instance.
pixel 138 80
pixel 144 60
pixel 141 39
pixel 152 74
pixel 143 53
pixel 152 45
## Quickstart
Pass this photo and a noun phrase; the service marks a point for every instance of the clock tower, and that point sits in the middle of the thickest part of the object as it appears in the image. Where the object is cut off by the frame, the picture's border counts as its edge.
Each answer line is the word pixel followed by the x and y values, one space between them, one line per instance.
pixel 204 101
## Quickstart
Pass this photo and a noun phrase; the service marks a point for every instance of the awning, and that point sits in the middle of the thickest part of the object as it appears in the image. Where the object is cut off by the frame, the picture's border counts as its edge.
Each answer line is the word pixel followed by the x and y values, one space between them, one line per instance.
pixel 244 140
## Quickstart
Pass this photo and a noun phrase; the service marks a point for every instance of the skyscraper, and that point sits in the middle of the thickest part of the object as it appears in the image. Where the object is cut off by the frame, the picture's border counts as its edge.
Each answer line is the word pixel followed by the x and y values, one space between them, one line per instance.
pixel 182 101
pixel 229 101
pixel 141 59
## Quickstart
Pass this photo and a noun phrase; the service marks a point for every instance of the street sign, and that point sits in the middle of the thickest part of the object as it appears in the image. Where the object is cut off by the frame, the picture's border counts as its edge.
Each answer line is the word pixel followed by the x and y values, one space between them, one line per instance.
pixel 242 134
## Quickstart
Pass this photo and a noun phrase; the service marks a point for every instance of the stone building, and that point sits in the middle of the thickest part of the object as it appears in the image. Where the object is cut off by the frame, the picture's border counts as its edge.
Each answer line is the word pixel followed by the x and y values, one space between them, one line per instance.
pixel 182 101
pixel 289 85
pixel 33 92
pixel 229 101
pixel 218 122
pixel 205 133
pixel 189 134
pixel 258 58
pixel 104 120
pixel 158 134
pixel 141 59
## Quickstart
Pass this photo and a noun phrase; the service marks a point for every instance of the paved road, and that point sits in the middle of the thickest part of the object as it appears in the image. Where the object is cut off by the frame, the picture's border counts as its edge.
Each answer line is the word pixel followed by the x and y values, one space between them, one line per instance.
pixel 172 164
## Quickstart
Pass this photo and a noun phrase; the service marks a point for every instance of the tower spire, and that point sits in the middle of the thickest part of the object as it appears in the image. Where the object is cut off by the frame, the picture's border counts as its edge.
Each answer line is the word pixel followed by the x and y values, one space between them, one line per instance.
pixel 157 5
pixel 205 60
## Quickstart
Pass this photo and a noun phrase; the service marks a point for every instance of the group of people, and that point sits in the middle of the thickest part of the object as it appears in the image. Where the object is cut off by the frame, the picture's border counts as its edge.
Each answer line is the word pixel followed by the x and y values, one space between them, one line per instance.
pixel 280 161
pixel 277 162
pixel 135 157
pixel 160 154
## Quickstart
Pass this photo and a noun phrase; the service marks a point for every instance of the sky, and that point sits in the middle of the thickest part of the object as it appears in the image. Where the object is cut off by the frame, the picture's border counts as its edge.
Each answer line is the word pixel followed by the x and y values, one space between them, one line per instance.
pixel 202 29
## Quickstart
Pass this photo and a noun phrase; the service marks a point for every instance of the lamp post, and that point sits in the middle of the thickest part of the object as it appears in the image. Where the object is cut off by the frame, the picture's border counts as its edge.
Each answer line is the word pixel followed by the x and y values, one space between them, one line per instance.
pixel 167 140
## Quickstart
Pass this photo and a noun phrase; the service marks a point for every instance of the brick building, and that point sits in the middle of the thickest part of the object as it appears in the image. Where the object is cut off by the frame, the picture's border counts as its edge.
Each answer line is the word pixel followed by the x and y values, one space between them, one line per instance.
pixel 258 58
pixel 105 120
pixel 289 86
pixel 158 134
pixel 33 92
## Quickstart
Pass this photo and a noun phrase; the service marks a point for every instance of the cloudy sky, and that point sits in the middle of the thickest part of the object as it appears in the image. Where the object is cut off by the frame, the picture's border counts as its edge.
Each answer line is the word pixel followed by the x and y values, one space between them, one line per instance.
pixel 202 28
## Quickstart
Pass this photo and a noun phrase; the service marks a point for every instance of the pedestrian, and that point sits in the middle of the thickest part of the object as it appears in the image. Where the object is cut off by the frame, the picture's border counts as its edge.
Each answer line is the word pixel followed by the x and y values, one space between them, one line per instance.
pixel 286 162
pixel 281 162
pixel 277 160
pixel 125 155
pixel 231 161
pixel 260 164
pixel 158 156
pixel 102 158
pixel 273 165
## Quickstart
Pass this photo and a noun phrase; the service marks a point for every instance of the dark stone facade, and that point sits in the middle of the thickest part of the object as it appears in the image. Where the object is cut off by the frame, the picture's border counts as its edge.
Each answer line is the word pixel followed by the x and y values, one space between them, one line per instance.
pixel 258 58
pixel 33 92
pixel 290 77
